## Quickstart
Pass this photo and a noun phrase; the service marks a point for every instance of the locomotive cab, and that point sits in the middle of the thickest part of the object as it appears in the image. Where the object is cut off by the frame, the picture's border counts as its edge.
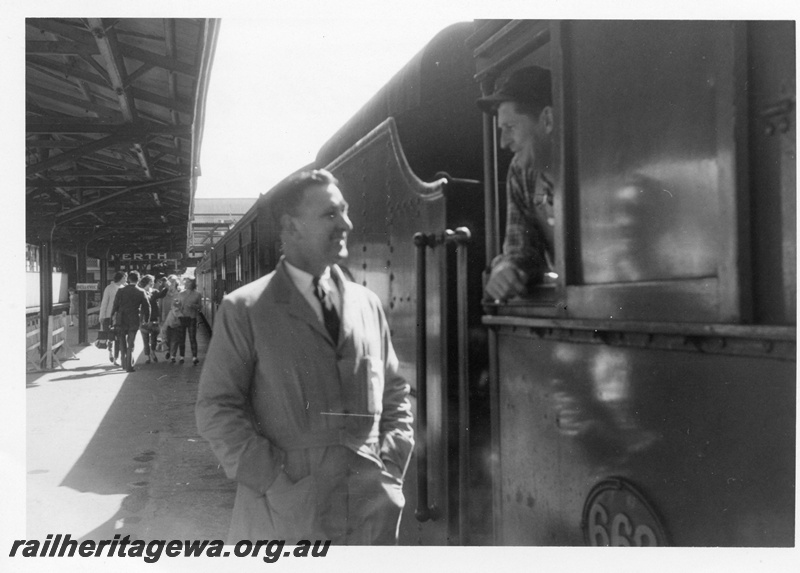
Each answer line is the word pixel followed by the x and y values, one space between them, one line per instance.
pixel 647 397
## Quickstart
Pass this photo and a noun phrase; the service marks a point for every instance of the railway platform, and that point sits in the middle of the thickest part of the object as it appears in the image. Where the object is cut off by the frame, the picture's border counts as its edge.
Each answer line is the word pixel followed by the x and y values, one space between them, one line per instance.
pixel 111 452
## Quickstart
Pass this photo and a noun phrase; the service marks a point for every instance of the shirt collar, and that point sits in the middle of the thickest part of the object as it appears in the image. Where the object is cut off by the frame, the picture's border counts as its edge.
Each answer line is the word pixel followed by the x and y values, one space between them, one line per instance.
pixel 302 279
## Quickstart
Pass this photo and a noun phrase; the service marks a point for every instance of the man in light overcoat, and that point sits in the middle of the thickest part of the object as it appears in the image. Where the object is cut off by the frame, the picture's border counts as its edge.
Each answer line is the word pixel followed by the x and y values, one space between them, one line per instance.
pixel 300 397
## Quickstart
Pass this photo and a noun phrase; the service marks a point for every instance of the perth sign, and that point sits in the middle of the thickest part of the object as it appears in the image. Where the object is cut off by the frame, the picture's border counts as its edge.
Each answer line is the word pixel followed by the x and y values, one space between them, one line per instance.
pixel 148 257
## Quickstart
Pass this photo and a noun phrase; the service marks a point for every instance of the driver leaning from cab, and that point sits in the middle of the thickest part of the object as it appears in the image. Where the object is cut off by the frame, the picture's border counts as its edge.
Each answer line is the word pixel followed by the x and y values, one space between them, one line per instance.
pixel 523 104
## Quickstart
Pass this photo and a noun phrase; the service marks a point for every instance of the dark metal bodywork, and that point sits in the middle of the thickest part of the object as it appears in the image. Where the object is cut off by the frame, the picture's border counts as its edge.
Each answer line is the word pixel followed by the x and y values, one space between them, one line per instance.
pixel 664 357
pixel 707 436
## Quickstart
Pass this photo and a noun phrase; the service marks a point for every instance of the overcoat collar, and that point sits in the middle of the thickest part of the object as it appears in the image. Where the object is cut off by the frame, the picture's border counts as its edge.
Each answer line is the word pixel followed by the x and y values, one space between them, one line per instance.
pixel 283 292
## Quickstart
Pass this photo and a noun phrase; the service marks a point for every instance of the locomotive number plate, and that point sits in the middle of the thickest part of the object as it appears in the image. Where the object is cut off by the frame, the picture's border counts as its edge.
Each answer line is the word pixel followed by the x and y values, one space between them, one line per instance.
pixel 617 514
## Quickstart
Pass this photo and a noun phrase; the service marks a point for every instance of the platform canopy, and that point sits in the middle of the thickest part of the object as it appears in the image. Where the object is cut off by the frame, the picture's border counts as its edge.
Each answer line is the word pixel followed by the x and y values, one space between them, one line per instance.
pixel 114 123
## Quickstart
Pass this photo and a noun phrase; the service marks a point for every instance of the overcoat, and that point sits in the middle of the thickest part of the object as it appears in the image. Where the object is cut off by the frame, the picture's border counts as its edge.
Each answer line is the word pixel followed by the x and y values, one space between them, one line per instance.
pixel 304 425
pixel 109 294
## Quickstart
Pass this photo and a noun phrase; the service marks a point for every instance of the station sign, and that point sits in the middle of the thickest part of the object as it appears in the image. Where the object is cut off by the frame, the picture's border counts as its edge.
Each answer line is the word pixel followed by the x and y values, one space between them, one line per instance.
pixel 86 286
pixel 147 257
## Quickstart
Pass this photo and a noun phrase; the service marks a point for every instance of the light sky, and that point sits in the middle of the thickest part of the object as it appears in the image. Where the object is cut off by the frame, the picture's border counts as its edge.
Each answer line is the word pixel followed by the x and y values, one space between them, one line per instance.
pixel 281 86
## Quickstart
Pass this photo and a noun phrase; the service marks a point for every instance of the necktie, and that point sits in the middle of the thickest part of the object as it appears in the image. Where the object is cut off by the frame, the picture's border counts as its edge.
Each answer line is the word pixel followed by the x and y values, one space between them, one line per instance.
pixel 329 314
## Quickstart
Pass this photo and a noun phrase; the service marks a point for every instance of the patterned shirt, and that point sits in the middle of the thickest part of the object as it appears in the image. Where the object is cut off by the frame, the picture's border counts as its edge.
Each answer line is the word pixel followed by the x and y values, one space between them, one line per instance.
pixel 529 223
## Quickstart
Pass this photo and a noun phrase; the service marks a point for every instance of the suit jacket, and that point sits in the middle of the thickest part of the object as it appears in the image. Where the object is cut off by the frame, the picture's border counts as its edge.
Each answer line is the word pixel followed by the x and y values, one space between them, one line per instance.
pixel 277 398
pixel 134 307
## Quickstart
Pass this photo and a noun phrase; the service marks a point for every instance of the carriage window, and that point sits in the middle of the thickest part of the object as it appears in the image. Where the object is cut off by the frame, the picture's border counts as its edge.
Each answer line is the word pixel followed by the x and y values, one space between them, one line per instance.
pixel 626 191
pixel 526 134
pixel 525 270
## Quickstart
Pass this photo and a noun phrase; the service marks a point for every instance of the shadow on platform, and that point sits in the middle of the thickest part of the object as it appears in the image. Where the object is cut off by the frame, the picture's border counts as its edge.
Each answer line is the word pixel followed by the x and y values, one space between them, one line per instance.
pixel 145 450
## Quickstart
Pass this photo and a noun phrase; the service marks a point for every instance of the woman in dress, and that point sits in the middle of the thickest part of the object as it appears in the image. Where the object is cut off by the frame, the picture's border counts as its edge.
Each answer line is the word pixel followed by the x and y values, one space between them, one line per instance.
pixel 168 327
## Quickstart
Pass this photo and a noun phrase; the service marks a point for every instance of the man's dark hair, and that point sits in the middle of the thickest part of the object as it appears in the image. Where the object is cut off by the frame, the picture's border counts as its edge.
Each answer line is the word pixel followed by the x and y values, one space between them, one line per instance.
pixel 286 197
pixel 118 276
pixel 146 281
pixel 133 277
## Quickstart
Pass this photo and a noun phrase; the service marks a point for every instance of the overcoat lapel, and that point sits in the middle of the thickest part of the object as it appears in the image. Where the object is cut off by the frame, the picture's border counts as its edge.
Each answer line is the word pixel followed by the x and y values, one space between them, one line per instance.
pixel 285 294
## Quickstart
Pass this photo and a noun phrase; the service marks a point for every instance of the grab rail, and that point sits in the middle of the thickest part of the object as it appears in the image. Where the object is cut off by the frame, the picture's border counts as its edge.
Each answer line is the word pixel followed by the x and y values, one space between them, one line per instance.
pixel 425 510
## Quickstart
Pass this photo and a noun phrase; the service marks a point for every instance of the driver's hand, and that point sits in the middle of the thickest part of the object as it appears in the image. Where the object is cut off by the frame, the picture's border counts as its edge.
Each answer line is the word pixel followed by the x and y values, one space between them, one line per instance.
pixel 506 281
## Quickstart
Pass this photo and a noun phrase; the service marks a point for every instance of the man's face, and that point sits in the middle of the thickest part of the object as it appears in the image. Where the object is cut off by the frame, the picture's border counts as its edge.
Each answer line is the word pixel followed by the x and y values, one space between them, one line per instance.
pixel 319 235
pixel 520 133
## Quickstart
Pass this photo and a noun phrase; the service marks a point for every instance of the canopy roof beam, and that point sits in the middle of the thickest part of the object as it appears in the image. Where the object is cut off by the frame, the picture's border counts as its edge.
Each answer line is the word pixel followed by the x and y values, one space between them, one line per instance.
pixel 92 205
pixel 106 39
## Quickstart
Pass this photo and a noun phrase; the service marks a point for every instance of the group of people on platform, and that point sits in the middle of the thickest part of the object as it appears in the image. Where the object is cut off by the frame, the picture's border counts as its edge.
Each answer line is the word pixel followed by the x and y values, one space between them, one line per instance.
pixel 160 310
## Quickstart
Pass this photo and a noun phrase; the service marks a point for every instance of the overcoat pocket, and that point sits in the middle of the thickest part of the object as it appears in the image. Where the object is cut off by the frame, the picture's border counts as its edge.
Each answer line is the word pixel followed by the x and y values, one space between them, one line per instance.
pixel 292 507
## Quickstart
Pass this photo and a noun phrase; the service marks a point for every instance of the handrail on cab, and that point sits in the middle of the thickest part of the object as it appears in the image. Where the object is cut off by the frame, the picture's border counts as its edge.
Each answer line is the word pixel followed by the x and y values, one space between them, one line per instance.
pixel 426 511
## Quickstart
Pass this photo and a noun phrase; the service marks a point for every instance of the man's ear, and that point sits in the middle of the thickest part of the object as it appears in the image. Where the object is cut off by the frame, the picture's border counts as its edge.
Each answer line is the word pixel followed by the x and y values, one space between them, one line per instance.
pixel 546 119
pixel 287 224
